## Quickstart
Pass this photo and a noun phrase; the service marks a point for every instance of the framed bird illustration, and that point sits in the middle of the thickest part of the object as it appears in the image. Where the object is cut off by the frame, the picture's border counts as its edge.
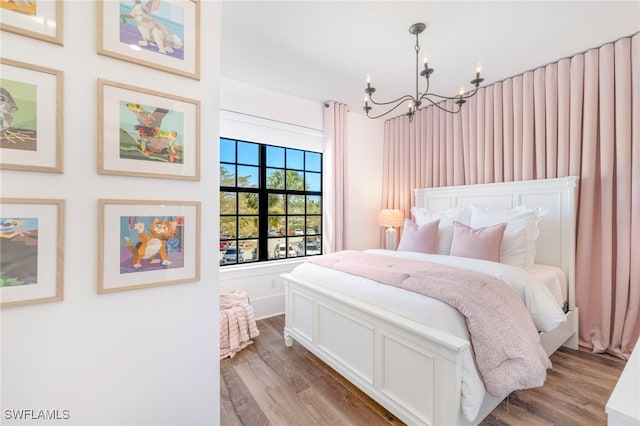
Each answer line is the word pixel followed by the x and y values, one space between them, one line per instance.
pixel 143 132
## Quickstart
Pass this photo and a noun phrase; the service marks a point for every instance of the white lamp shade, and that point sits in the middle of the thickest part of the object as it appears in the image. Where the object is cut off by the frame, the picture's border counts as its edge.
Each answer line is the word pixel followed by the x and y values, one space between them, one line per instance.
pixel 390 218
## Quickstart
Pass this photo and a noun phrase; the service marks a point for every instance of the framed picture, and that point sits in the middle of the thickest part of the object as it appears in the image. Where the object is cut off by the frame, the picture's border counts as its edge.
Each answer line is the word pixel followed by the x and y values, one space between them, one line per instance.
pixel 41 19
pixel 161 34
pixel 147 244
pixel 147 133
pixel 31 117
pixel 31 251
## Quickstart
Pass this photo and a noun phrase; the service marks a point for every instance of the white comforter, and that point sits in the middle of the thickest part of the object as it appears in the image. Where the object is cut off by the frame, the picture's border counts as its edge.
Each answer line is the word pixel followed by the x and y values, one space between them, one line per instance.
pixel 544 309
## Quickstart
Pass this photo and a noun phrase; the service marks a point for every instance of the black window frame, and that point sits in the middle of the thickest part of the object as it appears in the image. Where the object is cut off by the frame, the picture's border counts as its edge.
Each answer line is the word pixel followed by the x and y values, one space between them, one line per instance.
pixel 264 231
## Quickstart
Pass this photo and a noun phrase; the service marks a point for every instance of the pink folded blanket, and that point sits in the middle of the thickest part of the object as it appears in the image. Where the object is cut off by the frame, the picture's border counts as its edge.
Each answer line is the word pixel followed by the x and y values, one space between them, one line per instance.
pixel 237 323
pixel 506 344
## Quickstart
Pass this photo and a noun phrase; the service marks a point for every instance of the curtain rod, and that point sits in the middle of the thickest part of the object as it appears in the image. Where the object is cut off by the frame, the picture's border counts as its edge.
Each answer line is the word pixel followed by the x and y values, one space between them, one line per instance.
pixel 326 105
pixel 561 59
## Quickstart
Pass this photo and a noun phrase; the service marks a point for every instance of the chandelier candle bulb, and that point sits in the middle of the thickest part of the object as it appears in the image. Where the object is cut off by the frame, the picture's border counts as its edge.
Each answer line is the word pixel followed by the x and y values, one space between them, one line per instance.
pixel 478 69
pixel 366 108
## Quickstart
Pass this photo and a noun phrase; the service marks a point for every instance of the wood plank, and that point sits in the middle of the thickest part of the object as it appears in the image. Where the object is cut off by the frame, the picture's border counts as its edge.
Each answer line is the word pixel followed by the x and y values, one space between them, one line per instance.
pixel 279 403
pixel 227 411
pixel 241 401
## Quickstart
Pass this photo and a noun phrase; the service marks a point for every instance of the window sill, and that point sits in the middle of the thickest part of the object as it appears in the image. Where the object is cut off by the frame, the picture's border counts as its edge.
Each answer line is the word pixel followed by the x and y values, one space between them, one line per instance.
pixel 260 268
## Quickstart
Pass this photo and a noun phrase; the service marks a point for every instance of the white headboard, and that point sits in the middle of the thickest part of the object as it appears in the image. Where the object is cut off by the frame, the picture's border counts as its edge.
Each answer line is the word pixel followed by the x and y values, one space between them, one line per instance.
pixel 556 244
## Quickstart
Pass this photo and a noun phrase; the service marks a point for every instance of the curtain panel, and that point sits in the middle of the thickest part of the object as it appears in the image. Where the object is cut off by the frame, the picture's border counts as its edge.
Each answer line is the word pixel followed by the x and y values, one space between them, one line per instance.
pixel 579 116
pixel 334 182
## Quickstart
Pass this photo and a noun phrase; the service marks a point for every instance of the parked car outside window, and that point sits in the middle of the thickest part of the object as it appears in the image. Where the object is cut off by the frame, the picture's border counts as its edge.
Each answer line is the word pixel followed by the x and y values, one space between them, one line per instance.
pixel 230 256
pixel 281 251
pixel 312 249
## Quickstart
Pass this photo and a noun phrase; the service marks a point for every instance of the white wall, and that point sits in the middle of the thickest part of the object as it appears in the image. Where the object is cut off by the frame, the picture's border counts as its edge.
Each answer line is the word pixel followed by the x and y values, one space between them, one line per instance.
pixel 268 112
pixel 146 356
pixel 265 103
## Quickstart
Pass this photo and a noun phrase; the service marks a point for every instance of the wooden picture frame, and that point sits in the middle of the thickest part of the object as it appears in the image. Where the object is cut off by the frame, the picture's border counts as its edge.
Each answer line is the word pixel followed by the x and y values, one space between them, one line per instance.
pixel 41 19
pixel 147 243
pixel 160 34
pixel 31 126
pixel 147 133
pixel 31 251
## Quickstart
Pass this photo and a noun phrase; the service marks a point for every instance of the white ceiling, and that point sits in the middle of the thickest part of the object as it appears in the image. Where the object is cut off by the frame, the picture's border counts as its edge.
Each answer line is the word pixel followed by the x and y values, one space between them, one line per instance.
pixel 322 50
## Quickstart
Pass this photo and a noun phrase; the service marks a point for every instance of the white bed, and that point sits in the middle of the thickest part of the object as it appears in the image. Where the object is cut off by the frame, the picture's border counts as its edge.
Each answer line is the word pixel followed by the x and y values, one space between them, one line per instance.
pixel 380 342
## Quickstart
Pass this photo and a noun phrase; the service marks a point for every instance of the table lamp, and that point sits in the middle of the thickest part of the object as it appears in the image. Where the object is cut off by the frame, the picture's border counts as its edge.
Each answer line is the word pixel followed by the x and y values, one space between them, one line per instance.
pixel 390 219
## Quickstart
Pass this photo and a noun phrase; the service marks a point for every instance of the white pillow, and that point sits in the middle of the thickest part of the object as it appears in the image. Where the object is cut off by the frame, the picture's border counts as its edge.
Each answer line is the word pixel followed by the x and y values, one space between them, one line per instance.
pixel 445 227
pixel 519 241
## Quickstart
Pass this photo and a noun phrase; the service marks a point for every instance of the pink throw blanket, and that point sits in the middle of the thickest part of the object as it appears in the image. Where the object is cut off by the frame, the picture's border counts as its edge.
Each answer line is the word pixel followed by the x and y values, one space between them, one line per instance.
pixel 504 339
pixel 237 323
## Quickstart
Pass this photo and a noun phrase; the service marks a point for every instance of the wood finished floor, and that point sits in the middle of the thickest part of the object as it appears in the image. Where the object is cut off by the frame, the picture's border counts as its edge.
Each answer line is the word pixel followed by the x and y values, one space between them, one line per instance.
pixel 270 384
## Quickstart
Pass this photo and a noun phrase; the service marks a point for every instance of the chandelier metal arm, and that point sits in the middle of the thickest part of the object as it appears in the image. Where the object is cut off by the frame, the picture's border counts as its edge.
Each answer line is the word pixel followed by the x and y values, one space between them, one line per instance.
pixel 452 98
pixel 399 100
pixel 384 113
pixel 437 105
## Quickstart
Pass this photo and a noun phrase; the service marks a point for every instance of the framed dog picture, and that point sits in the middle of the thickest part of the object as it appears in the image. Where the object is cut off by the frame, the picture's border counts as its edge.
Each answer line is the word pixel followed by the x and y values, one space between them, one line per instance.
pixel 161 34
pixel 31 251
pixel 31 117
pixel 40 19
pixel 142 132
pixel 146 243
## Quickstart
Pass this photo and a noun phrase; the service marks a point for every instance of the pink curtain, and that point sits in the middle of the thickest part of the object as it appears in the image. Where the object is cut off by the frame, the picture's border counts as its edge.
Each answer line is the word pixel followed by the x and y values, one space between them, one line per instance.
pixel 579 116
pixel 334 176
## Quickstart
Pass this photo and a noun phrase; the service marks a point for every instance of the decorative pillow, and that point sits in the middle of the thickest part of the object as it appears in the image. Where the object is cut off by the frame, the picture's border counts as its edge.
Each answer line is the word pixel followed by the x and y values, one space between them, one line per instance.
pixel 419 238
pixel 445 229
pixel 482 243
pixel 519 242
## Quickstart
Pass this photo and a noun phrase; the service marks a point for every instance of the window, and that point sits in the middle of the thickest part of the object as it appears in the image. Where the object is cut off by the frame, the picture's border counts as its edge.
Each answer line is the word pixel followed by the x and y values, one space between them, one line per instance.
pixel 270 202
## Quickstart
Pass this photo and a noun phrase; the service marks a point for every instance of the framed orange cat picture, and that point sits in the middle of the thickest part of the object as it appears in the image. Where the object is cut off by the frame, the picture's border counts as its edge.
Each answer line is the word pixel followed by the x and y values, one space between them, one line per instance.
pixel 144 243
pixel 143 132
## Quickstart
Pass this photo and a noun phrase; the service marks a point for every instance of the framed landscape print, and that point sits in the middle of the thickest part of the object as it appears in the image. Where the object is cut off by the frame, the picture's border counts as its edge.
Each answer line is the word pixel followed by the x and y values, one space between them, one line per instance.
pixel 31 117
pixel 147 133
pixel 161 34
pixel 31 251
pixel 40 19
pixel 147 244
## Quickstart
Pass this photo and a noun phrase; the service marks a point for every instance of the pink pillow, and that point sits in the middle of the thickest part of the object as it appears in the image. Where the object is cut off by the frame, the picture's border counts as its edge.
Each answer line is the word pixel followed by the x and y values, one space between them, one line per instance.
pixel 421 239
pixel 481 243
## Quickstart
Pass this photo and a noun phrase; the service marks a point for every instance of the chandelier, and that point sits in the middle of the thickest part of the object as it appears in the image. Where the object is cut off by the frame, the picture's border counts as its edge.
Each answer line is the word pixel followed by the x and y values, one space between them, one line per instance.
pixel 414 102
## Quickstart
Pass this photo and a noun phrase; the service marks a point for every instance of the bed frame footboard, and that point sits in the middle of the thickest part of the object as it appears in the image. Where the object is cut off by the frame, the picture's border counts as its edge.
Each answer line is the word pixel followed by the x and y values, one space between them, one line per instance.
pixel 412 370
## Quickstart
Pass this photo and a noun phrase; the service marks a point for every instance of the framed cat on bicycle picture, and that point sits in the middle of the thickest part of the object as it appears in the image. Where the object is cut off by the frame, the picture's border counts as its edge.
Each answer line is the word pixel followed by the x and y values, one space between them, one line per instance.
pixel 147 243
